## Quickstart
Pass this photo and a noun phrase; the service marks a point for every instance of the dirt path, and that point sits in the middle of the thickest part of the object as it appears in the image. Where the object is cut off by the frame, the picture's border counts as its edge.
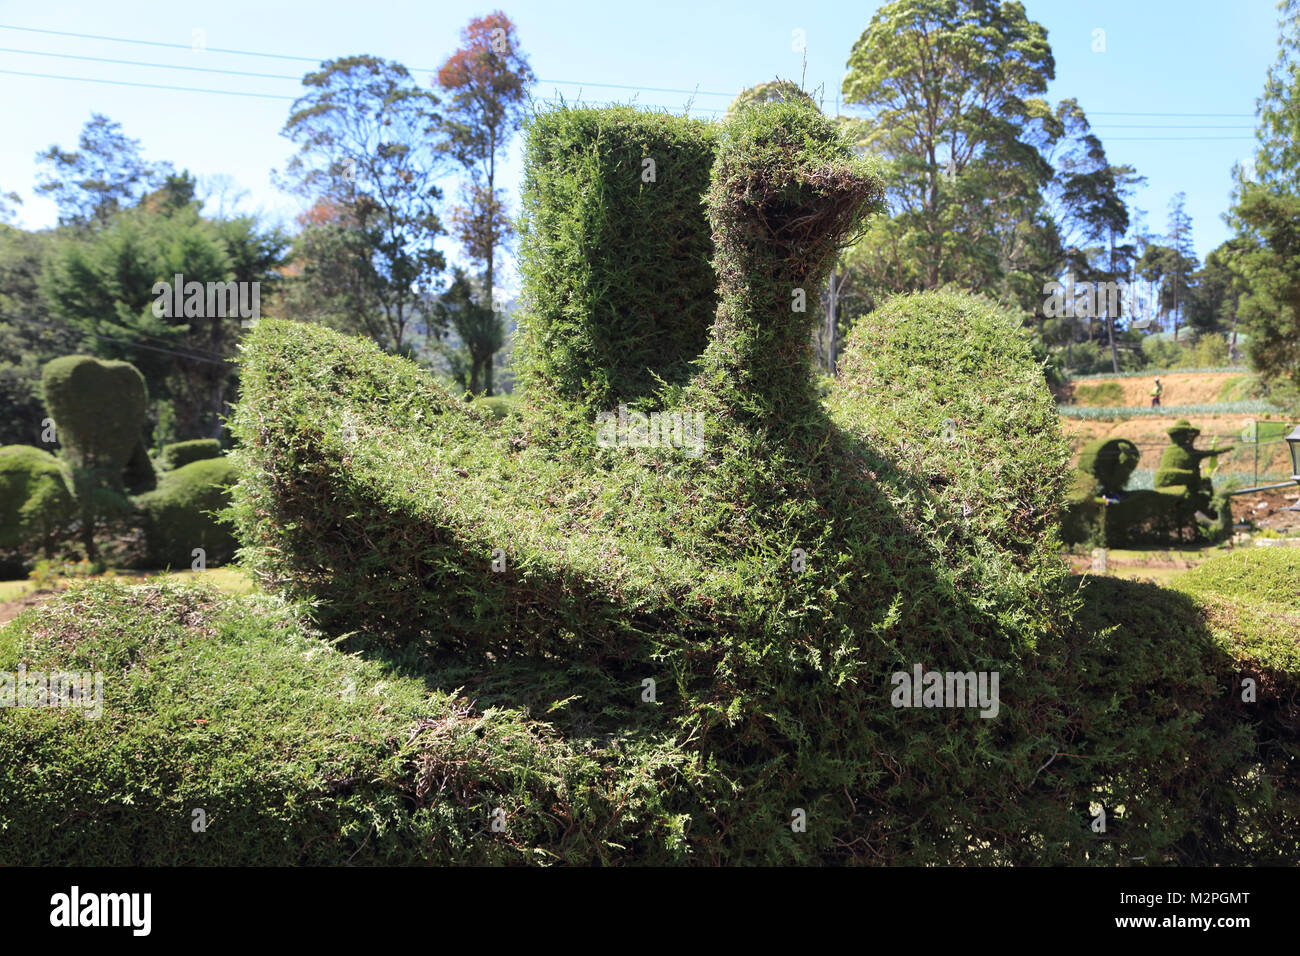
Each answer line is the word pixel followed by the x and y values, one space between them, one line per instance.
pixel 11 609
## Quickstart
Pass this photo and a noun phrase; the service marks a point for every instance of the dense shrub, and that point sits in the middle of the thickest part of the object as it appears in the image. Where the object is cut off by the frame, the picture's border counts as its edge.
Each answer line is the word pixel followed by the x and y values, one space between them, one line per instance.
pixel 297 753
pixel 180 515
pixel 709 633
pixel 99 411
pixel 498 405
pixel 1262 574
pixel 36 509
pixel 181 453
pixel 377 495
pixel 1083 512
pixel 615 268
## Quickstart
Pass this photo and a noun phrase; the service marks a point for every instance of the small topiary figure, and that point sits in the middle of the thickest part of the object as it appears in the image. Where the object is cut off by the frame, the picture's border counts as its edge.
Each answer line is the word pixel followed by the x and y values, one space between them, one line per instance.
pixel 1180 466
pixel 1111 462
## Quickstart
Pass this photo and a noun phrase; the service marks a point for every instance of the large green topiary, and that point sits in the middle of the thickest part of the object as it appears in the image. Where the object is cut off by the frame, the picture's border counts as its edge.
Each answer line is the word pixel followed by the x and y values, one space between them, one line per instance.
pixel 179 516
pixel 36 508
pixel 614 252
pixel 181 453
pixel 732 612
pixel 1111 461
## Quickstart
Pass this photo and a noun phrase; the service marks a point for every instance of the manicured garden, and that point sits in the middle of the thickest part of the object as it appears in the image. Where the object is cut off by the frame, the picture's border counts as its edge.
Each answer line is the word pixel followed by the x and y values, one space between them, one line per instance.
pixel 481 637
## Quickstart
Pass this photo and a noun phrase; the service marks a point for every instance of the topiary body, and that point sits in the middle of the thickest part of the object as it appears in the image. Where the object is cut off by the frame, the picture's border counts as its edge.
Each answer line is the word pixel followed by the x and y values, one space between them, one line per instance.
pixel 178 516
pixel 1180 466
pixel 731 617
pixel 181 453
pixel 99 411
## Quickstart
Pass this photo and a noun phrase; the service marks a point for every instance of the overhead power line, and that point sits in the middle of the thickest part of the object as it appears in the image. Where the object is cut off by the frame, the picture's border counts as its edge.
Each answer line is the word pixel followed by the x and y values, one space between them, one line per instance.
pixel 139 345
pixel 318 61
pixel 151 86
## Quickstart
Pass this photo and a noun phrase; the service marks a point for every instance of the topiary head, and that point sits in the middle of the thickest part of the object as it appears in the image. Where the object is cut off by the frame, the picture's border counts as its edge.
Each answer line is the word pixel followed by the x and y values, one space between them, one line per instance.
pixel 1183 433
pixel 1111 462
pixel 786 189
pixel 784 192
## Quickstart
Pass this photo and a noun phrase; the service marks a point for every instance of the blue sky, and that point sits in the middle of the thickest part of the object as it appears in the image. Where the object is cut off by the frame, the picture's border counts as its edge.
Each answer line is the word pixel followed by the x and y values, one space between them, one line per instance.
pixel 1167 66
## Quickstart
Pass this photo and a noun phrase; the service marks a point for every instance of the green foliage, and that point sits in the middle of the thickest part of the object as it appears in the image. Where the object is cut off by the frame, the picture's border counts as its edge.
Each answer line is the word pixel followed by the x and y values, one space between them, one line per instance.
pixel 1203 776
pixel 952 94
pixel 300 754
pixel 615 268
pixel 36 509
pixel 1263 575
pixel 1083 512
pixel 181 514
pixel 775 91
pixel 1111 393
pixel 498 405
pixel 181 453
pixel 98 408
pixel 1180 464
pixel 99 411
pixel 369 159
pixel 103 284
pixel 1111 462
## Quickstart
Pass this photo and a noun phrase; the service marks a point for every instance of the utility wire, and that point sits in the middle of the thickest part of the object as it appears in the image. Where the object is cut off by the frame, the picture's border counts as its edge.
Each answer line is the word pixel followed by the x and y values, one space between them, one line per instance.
pixel 106 338
pixel 151 86
pixel 307 59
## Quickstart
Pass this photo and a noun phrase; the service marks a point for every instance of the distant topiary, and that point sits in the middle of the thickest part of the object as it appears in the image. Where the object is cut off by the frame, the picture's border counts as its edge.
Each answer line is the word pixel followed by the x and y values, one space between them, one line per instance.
pixel 99 411
pixel 98 408
pixel 36 509
pixel 139 475
pixel 1180 465
pixel 179 516
pixel 1111 462
pixel 181 453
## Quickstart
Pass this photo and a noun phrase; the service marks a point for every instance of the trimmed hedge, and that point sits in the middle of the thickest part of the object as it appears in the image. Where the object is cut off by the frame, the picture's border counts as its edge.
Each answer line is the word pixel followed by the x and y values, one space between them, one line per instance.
pixel 616 275
pixel 1261 574
pixel 36 508
pixel 770 586
pixel 181 453
pixel 297 754
pixel 180 515
pixel 98 408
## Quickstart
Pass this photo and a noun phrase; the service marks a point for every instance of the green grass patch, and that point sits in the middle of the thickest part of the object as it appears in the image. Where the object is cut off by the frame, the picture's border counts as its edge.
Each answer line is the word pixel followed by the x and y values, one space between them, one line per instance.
pixel 1103 394
pixel 295 752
